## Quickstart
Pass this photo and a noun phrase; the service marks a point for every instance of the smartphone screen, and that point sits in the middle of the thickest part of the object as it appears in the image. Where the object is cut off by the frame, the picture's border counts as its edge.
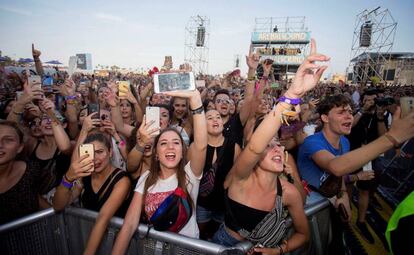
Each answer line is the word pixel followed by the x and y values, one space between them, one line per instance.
pixel 87 149
pixel 153 113
pixel 173 82
pixel 123 87
pixel 93 108
pixel 407 105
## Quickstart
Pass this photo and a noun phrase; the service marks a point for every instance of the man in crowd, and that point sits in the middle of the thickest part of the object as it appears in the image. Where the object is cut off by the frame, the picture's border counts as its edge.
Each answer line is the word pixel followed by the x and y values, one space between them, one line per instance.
pixel 368 125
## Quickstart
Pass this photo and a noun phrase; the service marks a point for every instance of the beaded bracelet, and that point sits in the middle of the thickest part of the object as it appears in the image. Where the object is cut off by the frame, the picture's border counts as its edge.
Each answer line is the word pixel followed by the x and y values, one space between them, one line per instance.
pixel 139 148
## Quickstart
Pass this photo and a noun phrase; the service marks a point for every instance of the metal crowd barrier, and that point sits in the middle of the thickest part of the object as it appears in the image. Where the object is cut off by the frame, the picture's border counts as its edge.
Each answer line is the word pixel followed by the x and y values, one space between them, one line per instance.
pixel 47 232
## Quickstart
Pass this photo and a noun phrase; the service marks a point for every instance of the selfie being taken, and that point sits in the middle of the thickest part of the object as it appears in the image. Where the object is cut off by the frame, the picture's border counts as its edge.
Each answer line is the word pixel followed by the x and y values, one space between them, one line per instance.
pixel 196 127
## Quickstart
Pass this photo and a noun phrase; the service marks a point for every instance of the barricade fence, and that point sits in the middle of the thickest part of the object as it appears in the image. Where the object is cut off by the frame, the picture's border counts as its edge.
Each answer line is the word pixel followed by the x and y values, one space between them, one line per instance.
pixel 47 232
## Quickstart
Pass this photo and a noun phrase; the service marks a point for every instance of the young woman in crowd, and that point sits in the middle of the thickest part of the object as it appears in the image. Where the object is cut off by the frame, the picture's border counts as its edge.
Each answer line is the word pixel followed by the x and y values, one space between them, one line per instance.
pixel 180 118
pixel 221 153
pixel 255 195
pixel 21 182
pixel 103 187
pixel 141 142
pixel 169 170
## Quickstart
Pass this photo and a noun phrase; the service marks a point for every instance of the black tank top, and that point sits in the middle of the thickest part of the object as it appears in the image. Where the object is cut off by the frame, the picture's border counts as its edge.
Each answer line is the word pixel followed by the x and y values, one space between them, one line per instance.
pixel 239 216
pixel 215 201
pixel 56 167
pixel 94 201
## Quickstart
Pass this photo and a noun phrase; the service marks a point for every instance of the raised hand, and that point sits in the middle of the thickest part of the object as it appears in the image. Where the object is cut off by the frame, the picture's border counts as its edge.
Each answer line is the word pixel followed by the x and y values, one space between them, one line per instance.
pixel 35 53
pixel 252 60
pixel 146 134
pixel 89 123
pixel 47 106
pixel 68 88
pixel 129 96
pixel 111 98
pixel 308 74
pixel 80 167
pixel 402 129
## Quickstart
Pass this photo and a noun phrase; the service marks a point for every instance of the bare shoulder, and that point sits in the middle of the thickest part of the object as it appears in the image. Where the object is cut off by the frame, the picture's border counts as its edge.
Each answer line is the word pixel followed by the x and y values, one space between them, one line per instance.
pixel 290 194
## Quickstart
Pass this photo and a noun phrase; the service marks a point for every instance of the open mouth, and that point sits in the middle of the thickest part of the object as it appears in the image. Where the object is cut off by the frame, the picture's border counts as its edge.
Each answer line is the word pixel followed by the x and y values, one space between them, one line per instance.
pixel 277 159
pixel 170 156
pixel 215 125
pixel 347 124
pixel 2 154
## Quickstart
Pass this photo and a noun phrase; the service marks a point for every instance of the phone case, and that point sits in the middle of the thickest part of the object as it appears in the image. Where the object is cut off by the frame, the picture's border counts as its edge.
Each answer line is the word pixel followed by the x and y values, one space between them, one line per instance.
pixel 93 108
pixel 123 87
pixel 87 148
pixel 153 113
pixel 35 82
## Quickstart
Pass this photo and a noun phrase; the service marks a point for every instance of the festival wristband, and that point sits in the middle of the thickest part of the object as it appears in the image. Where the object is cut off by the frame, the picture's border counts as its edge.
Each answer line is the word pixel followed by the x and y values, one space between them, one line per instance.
pixel 293 101
pixel 66 184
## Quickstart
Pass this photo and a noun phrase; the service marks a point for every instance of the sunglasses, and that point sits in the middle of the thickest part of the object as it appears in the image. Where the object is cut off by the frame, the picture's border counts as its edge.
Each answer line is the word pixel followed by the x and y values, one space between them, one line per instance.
pixel 222 101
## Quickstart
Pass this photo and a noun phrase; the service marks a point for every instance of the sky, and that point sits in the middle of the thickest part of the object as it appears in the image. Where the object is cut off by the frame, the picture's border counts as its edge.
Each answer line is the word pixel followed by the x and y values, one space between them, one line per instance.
pixel 138 34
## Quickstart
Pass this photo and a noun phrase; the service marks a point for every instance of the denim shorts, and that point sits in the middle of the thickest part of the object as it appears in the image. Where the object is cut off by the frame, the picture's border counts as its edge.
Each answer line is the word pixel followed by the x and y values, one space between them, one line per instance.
pixel 223 237
pixel 204 215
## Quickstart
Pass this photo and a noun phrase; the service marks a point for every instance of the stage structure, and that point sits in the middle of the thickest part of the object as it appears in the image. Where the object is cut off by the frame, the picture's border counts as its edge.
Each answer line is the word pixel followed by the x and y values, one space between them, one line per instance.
pixel 285 40
pixel 372 44
pixel 197 35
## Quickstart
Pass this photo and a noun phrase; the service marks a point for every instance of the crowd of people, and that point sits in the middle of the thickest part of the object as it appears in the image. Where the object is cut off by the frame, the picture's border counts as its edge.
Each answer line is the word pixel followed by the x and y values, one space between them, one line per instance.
pixel 229 162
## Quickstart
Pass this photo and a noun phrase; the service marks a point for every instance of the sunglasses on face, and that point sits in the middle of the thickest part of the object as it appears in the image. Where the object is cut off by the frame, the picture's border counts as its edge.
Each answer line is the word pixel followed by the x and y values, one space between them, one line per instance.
pixel 222 101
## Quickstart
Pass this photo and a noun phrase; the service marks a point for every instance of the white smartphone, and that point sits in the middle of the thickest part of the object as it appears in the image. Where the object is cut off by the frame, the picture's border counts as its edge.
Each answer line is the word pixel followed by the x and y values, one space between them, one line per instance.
pixel 367 167
pixel 407 105
pixel 153 113
pixel 173 81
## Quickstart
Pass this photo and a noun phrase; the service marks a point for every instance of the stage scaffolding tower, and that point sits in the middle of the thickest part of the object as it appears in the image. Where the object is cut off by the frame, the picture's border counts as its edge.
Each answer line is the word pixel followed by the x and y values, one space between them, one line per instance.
pixel 196 45
pixel 372 43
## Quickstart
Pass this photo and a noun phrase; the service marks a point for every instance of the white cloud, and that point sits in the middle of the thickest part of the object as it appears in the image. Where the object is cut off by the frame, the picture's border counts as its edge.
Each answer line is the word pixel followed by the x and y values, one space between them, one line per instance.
pixel 109 17
pixel 16 11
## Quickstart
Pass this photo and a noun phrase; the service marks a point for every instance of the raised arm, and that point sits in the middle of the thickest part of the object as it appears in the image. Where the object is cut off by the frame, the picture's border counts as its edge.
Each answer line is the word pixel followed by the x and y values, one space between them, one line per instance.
pixel 36 57
pixel 400 131
pixel 306 78
pixel 61 138
pixel 199 146
pixel 116 116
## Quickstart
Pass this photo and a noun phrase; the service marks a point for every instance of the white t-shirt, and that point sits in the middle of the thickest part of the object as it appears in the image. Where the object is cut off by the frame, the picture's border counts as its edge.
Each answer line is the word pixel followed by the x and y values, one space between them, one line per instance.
pixel 162 188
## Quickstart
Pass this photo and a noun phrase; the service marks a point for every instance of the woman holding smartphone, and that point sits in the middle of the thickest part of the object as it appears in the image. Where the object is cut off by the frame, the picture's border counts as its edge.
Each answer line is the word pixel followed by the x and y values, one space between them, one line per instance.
pixel 102 187
pixel 169 170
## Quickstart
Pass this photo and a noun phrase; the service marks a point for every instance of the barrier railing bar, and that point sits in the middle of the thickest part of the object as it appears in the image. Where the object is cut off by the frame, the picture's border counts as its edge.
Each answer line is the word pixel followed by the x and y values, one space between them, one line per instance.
pixel 27 220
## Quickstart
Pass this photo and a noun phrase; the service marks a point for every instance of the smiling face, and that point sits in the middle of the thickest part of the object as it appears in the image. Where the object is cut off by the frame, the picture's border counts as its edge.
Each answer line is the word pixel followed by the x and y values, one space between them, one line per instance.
pixel 10 144
pixel 273 157
pixel 214 122
pixel 169 150
pixel 180 108
pixel 46 125
pixel 339 120
pixel 102 156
